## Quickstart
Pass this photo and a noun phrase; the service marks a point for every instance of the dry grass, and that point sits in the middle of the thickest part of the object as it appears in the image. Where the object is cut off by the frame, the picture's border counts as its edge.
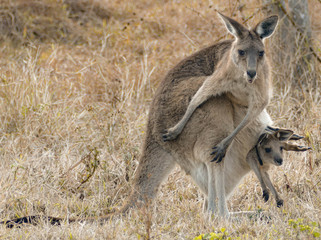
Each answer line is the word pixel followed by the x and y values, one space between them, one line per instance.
pixel 76 81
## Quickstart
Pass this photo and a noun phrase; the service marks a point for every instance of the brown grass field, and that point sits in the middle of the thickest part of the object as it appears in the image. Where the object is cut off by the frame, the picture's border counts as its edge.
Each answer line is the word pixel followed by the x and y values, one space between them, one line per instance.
pixel 76 82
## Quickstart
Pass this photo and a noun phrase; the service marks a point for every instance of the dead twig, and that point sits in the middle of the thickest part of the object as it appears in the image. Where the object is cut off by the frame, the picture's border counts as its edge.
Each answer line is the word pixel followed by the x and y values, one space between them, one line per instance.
pixel 76 164
pixel 299 30
pixel 91 166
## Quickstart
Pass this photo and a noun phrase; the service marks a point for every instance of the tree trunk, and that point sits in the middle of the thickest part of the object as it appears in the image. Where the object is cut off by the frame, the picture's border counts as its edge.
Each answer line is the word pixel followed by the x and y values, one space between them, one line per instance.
pixel 292 42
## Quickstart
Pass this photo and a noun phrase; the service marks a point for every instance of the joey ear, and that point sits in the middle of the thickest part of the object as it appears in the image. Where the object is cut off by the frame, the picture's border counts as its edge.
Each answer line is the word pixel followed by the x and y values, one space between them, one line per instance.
pixel 296 137
pixel 262 138
pixel 271 129
pixel 283 134
pixel 295 148
pixel 233 26
pixel 266 27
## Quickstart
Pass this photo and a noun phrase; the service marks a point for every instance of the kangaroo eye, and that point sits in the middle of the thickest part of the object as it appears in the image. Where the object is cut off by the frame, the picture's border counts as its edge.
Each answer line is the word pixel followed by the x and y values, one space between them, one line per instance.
pixel 261 53
pixel 268 150
pixel 281 148
pixel 241 53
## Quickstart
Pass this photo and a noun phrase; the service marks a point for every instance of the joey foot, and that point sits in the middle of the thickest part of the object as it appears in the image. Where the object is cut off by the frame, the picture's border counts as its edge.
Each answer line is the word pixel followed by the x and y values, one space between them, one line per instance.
pixel 279 203
pixel 219 153
pixel 169 135
pixel 266 195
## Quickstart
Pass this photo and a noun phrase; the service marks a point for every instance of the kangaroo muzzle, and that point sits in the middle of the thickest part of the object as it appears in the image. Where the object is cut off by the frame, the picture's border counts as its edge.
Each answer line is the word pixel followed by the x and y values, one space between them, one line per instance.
pixel 278 161
pixel 251 66
pixel 251 75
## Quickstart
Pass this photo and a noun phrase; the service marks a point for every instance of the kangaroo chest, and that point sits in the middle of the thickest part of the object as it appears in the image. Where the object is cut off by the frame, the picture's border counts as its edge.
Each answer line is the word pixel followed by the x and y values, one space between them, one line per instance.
pixel 240 92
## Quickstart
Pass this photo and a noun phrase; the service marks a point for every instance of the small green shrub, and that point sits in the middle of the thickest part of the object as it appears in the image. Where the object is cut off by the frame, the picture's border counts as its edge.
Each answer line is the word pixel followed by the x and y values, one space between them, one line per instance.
pixel 299 226
pixel 222 234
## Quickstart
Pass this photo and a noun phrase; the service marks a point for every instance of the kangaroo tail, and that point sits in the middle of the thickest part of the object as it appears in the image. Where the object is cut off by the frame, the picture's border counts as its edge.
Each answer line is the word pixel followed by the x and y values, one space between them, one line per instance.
pixel 36 219
pixel 145 189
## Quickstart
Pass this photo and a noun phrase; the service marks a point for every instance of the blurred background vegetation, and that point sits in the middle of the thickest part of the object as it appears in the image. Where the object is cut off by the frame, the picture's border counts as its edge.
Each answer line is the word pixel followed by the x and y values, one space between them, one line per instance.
pixel 76 81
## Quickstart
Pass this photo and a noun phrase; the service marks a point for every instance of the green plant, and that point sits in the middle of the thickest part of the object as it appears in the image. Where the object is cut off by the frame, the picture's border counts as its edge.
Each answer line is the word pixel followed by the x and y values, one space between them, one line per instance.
pixel 222 234
pixel 300 226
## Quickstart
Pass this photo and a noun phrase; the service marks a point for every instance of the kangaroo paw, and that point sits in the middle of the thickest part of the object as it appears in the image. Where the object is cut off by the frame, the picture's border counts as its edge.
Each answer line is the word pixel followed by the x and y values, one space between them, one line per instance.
pixel 169 135
pixel 218 153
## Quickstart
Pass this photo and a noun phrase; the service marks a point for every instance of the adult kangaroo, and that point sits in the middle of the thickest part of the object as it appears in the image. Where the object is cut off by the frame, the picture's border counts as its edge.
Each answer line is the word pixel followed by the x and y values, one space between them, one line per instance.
pixel 211 123
pixel 243 72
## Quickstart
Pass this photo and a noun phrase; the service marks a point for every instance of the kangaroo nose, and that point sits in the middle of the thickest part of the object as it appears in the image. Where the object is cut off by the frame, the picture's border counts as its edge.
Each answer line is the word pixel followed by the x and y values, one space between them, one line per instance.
pixel 251 73
pixel 279 161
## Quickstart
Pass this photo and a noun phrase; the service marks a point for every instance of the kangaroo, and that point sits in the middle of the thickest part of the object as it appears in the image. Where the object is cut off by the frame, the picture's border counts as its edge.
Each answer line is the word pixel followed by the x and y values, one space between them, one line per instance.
pixel 211 123
pixel 268 150
pixel 243 72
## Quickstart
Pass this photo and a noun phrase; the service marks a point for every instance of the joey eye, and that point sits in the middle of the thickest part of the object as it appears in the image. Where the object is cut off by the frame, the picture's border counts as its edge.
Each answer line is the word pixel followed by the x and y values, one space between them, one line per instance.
pixel 241 52
pixel 261 53
pixel 281 148
pixel 267 150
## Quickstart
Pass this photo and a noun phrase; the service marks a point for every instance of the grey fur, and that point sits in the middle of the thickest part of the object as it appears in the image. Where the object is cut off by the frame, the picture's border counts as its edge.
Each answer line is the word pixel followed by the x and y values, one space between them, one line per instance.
pixel 212 121
pixel 243 73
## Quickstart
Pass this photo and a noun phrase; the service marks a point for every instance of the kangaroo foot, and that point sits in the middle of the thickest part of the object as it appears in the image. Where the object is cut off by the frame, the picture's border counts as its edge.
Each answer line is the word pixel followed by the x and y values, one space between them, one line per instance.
pixel 279 203
pixel 266 195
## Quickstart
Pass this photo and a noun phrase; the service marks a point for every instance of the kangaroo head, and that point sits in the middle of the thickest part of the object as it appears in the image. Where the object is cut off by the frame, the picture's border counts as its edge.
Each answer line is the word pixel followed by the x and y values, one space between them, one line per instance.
pixel 247 51
pixel 272 143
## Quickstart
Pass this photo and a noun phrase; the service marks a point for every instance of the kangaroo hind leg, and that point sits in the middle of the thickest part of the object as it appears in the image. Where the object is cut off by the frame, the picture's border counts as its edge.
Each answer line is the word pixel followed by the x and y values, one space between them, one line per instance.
pixel 154 167
pixel 200 177
pixel 216 189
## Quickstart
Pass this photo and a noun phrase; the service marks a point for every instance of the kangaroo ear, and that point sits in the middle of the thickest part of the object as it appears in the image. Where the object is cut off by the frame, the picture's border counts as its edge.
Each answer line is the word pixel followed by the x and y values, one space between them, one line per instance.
pixel 296 137
pixel 271 129
pixel 283 134
pixel 274 129
pixel 296 148
pixel 233 26
pixel 266 27
pixel 262 138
